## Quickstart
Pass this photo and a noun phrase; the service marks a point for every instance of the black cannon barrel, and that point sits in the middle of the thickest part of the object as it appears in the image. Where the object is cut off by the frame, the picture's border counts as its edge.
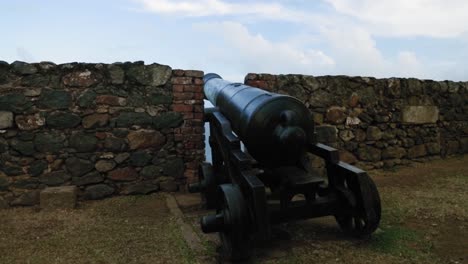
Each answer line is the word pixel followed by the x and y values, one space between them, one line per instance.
pixel 275 128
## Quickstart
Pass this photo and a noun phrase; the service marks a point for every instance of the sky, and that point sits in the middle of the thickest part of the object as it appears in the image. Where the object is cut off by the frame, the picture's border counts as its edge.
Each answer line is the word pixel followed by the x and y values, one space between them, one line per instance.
pixel 426 39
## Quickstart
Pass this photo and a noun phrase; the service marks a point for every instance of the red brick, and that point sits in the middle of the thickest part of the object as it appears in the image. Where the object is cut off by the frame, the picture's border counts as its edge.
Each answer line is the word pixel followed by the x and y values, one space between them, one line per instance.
pixel 183 96
pixel 178 88
pixel 193 88
pixel 182 80
pixel 182 108
pixel 198 130
pixel 198 89
pixel 198 115
pixel 192 102
pixel 178 72
pixel 200 145
pixel 195 137
pixel 198 108
pixel 177 130
pixel 178 137
pixel 188 115
pixel 198 81
pixel 192 165
pixel 186 130
pixel 190 174
pixel 192 73
pixel 199 96
pixel 198 122
pixel 189 145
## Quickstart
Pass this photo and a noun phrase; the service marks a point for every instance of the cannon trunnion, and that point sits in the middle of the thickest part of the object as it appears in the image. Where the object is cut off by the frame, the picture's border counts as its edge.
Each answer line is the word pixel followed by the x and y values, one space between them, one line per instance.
pixel 252 191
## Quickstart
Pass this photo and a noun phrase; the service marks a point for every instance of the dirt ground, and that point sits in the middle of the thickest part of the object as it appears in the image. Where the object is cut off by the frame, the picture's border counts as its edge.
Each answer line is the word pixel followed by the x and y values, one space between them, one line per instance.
pixel 425 220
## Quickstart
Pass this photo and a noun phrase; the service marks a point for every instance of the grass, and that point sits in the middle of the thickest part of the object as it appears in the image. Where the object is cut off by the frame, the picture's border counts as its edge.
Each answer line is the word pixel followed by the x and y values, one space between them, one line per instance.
pixel 117 230
pixel 424 220
pixel 395 240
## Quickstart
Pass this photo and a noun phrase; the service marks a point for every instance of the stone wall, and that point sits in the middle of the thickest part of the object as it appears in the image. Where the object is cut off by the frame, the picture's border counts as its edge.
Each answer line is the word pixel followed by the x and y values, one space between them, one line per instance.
pixel 380 122
pixel 130 128
pixel 123 128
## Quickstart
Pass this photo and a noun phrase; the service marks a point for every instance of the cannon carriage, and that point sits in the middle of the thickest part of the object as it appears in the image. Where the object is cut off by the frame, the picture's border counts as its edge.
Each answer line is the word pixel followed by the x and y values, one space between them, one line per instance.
pixel 252 187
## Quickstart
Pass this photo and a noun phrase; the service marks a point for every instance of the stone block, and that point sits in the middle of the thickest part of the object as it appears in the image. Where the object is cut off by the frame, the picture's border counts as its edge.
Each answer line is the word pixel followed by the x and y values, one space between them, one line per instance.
pixel 14 102
pixel 54 99
pixel 393 153
pixel 123 174
pixel 142 188
pixel 336 115
pixel 63 197
pixel 452 147
pixel 84 78
pixel 90 178
pixel 168 185
pixel 96 192
pixel 26 199
pixel 95 120
pixel 145 139
pixel 420 114
pixel 464 145
pixel 433 148
pixel 29 122
pixel 374 133
pixel 369 153
pixel 174 168
pixel 347 157
pixel 326 134
pixel 83 142
pixel 417 151
pixel 23 68
pixel 3 203
pixel 6 119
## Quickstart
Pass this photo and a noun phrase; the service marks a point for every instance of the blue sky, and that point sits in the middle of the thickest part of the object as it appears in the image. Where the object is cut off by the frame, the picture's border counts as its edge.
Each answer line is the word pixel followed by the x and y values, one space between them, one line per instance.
pixel 383 38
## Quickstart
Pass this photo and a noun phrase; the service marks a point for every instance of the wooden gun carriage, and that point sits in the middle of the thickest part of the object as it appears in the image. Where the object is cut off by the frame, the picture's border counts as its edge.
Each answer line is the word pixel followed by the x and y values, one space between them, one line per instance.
pixel 252 188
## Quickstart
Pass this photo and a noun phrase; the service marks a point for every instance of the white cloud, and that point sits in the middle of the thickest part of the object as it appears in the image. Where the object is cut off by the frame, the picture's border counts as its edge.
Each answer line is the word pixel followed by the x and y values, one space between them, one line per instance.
pixel 341 40
pixel 202 8
pixel 409 59
pixel 256 54
pixel 355 51
pixel 434 18
pixel 24 55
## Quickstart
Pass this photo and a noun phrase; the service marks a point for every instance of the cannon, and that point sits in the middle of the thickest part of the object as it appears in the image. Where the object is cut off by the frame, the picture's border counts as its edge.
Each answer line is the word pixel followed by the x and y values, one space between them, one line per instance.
pixel 261 176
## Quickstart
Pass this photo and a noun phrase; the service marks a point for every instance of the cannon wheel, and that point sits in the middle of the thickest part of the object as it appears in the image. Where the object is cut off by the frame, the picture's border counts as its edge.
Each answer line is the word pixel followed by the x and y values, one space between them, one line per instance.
pixel 207 177
pixel 366 216
pixel 235 238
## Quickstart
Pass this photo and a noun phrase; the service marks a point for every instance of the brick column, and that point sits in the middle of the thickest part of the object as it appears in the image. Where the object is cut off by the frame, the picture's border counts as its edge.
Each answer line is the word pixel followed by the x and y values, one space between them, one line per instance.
pixel 188 97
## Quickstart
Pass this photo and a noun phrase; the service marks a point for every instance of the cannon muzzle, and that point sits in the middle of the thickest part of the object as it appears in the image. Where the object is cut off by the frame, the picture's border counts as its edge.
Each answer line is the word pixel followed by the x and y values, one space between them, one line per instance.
pixel 275 128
